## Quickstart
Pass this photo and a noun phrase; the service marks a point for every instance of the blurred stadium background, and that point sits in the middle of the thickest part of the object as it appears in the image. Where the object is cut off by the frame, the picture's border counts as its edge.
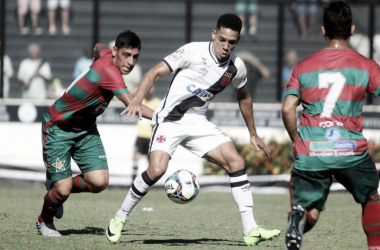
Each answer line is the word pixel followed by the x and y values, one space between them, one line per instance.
pixel 163 26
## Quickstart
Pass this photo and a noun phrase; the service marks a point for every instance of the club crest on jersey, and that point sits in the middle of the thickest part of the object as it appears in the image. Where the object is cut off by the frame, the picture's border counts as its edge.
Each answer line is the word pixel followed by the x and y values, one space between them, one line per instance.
pixel 200 93
pixel 226 79
pixel 161 139
pixel 175 56
pixel 59 165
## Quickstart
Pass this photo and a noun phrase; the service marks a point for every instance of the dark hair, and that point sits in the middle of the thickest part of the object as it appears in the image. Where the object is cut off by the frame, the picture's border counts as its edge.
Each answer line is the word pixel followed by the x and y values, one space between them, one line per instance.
pixel 128 39
pixel 337 20
pixel 230 21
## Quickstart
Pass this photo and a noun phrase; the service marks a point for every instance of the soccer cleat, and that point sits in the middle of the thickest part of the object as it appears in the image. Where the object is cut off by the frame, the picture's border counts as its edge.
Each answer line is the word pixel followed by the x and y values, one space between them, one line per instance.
pixel 47 229
pixel 113 231
pixel 293 237
pixel 59 213
pixel 259 234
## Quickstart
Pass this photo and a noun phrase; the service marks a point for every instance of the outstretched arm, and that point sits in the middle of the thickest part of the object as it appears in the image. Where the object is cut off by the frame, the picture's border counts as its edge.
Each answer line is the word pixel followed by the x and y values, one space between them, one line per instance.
pixel 246 109
pixel 135 107
pixel 289 115
pixel 126 98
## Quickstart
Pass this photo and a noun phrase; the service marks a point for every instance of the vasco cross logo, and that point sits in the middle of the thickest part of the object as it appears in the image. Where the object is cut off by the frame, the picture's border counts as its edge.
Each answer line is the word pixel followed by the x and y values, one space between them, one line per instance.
pixel 161 139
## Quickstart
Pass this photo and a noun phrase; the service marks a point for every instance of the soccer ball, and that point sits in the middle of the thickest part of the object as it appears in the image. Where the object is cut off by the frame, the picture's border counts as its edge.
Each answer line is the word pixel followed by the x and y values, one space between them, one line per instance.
pixel 182 186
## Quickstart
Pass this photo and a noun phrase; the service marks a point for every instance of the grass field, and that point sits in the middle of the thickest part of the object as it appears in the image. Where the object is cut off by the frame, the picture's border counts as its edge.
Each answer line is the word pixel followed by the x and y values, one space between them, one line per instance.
pixel 211 221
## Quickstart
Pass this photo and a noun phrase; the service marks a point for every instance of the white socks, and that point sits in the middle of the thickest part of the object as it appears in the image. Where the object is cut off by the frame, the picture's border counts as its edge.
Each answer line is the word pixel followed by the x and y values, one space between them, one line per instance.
pixel 241 191
pixel 137 191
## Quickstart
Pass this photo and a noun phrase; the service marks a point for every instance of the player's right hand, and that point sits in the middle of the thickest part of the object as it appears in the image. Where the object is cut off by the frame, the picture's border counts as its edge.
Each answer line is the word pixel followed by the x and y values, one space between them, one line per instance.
pixel 134 108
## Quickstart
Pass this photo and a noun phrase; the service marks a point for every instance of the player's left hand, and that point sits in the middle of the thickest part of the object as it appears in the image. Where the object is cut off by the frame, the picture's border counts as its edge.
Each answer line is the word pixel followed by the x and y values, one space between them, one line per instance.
pixel 259 144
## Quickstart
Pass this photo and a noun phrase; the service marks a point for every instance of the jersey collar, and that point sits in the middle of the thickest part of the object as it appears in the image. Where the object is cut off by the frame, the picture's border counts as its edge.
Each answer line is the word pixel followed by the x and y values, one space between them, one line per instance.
pixel 216 59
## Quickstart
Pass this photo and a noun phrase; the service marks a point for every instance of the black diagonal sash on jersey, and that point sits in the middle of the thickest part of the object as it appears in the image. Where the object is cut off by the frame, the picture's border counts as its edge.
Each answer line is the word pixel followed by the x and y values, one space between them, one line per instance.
pixel 199 99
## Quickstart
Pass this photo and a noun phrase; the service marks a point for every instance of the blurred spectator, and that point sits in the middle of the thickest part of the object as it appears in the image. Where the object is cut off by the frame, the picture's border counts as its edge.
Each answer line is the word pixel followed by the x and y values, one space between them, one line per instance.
pixel 55 89
pixel 144 132
pixel 8 73
pixel 291 61
pixel 306 11
pixel 64 7
pixel 83 62
pixel 132 80
pixel 248 8
pixel 33 73
pixel 256 70
pixel 33 7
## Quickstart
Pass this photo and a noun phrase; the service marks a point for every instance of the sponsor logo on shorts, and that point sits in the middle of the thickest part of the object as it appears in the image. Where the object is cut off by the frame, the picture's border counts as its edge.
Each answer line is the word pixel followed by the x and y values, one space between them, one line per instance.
pixel 332 134
pixel 161 139
pixel 102 157
pixel 332 146
pixel 200 93
pixel 59 165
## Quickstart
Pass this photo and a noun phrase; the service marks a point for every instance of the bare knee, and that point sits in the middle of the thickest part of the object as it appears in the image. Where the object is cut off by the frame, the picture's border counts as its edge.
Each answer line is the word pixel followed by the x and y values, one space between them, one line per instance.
pixel 235 164
pixel 63 188
pixel 155 172
pixel 99 185
pixel 97 180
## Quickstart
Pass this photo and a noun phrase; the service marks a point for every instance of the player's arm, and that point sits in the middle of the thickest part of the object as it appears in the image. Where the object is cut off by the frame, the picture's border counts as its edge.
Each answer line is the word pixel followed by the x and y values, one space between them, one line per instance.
pixel 135 107
pixel 289 115
pixel 96 51
pixel 126 98
pixel 246 109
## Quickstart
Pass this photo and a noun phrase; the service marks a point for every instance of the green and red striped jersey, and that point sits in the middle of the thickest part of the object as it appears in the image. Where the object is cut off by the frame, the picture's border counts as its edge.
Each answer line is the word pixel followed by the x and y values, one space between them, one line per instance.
pixel 88 95
pixel 331 85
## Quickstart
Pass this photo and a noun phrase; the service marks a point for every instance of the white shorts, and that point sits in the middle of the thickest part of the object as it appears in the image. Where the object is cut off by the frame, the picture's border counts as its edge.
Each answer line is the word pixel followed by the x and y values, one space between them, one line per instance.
pixel 196 134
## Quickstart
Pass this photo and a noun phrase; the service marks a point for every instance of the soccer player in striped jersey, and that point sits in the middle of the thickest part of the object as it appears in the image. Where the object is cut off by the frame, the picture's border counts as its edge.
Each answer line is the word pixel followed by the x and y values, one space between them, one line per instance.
pixel 200 70
pixel 331 85
pixel 69 127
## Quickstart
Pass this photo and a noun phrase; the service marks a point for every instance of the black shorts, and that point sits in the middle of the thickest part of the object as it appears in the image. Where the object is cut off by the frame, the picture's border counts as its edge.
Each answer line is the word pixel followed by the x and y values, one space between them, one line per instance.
pixel 142 145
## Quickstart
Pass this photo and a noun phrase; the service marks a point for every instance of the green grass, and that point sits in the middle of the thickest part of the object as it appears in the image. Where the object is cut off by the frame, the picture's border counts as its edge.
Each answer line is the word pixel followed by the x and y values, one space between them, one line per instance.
pixel 211 221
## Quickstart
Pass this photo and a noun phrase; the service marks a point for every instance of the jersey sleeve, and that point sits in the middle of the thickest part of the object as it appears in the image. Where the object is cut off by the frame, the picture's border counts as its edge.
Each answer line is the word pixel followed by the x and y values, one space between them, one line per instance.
pixel 181 58
pixel 113 81
pixel 294 87
pixel 374 78
pixel 240 80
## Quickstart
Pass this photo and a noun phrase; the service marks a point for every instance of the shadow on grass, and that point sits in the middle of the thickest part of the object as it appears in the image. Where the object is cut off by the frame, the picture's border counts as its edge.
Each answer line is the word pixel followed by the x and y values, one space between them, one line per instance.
pixel 86 230
pixel 182 242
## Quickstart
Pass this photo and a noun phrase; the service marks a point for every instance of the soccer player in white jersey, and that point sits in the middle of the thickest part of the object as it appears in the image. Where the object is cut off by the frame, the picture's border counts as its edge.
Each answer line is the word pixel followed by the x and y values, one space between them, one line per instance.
pixel 200 71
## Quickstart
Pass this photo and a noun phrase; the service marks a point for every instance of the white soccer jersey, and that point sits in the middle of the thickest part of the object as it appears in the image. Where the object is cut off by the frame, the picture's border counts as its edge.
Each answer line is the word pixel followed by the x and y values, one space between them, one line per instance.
pixel 197 79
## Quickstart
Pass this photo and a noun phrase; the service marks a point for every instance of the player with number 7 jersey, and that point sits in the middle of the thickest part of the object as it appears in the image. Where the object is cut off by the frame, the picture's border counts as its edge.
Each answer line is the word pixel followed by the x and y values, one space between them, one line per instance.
pixel 331 85
pixel 329 144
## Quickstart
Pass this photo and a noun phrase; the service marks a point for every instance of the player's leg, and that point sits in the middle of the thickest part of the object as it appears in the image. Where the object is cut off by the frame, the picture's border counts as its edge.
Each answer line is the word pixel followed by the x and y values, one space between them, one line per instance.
pixel 226 156
pixel 371 220
pixel 158 162
pixel 210 142
pixel 89 154
pixel 53 200
pixel 362 182
pixel 165 139
pixel 308 194
pixel 56 155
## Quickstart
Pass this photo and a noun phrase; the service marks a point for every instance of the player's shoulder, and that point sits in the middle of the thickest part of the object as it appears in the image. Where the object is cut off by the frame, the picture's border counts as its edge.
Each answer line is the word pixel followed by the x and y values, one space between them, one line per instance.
pixel 239 63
